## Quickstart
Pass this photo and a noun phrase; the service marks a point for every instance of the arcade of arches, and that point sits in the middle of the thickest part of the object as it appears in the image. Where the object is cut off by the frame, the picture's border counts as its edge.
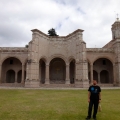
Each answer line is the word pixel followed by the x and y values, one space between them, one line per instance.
pixel 13 71
pixel 61 60
pixel 101 70
pixel 57 70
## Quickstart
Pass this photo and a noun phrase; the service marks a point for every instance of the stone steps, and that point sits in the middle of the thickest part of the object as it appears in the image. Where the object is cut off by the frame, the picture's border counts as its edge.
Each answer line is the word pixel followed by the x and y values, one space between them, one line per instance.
pixel 50 85
pixel 12 84
pixel 57 85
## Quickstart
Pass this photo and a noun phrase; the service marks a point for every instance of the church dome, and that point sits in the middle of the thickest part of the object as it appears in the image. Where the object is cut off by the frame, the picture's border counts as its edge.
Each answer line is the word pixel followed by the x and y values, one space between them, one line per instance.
pixel 117 20
pixel 116 23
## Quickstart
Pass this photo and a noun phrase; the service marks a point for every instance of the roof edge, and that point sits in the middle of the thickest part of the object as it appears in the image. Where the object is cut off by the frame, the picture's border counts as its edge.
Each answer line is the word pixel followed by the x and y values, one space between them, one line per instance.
pixel 36 30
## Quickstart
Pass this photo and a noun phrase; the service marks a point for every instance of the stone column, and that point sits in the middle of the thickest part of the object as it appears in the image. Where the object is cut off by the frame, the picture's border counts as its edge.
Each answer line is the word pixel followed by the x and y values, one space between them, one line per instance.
pixel 0 73
pixel 23 71
pixel 91 72
pixel 47 75
pixel 15 77
pixel 99 77
pixel 67 74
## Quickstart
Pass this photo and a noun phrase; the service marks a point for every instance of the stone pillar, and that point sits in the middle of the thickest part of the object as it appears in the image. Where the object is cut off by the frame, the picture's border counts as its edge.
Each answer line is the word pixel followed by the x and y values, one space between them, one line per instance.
pixel 67 74
pixel 99 78
pixel 47 80
pixel 91 72
pixel 32 75
pixel 15 77
pixel 0 73
pixel 23 71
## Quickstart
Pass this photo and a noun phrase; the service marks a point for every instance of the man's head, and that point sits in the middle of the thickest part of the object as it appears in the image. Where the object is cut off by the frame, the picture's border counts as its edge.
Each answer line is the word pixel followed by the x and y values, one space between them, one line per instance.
pixel 94 82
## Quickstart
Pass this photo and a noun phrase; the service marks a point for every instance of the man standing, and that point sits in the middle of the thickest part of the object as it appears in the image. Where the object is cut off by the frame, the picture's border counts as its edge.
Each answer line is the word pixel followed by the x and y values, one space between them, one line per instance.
pixel 94 98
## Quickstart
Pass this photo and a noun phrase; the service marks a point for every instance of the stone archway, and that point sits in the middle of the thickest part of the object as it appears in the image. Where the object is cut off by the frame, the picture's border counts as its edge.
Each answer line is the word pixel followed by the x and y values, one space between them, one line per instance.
pixel 42 70
pixel 104 76
pixel 89 76
pixel 57 71
pixel 24 76
pixel 19 76
pixel 10 76
pixel 72 71
pixel 10 63
pixel 104 67
pixel 95 75
pixel 89 72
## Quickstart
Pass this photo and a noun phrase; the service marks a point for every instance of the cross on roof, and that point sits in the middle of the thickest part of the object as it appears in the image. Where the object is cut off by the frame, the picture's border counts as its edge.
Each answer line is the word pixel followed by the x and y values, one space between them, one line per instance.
pixel 117 16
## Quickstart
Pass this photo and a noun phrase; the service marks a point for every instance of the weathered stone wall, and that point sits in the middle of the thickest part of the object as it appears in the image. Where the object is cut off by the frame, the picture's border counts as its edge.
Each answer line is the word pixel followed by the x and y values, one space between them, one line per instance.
pixel 15 53
pixel 71 47
pixel 43 49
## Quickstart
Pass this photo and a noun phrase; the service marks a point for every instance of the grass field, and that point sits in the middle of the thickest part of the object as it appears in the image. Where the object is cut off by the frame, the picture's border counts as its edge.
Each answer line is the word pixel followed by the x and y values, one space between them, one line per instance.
pixel 31 104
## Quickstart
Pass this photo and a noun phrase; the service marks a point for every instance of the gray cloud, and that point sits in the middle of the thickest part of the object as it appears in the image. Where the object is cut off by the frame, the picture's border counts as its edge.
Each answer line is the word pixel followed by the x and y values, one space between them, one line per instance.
pixel 18 17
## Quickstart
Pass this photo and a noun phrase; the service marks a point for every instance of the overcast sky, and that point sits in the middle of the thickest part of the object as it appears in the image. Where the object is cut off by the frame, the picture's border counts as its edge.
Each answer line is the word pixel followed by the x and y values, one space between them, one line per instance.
pixel 19 17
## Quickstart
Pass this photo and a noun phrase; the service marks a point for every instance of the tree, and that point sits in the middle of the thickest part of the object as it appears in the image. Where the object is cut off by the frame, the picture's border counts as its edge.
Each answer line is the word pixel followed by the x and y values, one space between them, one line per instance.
pixel 52 32
pixel 26 46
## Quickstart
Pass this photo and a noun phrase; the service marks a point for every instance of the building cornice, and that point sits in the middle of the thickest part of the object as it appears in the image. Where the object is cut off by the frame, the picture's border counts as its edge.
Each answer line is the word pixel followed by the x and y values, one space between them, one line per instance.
pixel 76 31
pixel 105 50
pixel 13 49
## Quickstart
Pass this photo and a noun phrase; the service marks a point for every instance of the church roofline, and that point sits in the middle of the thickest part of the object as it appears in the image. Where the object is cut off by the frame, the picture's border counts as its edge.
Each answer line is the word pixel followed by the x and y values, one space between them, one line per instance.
pixel 104 50
pixel 106 45
pixel 78 30
pixel 36 30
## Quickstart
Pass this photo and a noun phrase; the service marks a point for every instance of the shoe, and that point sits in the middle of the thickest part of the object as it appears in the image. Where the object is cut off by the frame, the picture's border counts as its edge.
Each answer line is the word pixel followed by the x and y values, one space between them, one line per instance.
pixel 87 118
pixel 94 118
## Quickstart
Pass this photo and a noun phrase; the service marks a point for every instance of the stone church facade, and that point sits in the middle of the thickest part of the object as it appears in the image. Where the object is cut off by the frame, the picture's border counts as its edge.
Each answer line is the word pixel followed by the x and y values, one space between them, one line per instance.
pixel 61 61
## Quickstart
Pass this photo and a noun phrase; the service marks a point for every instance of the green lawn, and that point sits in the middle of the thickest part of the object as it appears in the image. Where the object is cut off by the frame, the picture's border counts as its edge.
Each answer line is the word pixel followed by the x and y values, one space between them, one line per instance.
pixel 32 104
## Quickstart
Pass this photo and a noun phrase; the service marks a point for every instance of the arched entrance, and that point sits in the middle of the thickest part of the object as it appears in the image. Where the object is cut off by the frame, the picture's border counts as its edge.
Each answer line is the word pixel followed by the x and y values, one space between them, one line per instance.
pixel 13 64
pixel 42 70
pixel 95 75
pixel 104 68
pixel 57 71
pixel 104 76
pixel 24 75
pixel 19 76
pixel 10 76
pixel 72 71
pixel 89 73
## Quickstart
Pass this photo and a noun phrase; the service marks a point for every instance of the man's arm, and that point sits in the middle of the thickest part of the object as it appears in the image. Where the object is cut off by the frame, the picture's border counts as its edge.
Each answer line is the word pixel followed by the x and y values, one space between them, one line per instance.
pixel 99 96
pixel 89 93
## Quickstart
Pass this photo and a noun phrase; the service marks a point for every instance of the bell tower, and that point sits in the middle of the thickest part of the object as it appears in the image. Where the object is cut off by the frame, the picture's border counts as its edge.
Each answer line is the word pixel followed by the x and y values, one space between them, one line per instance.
pixel 116 45
pixel 116 30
